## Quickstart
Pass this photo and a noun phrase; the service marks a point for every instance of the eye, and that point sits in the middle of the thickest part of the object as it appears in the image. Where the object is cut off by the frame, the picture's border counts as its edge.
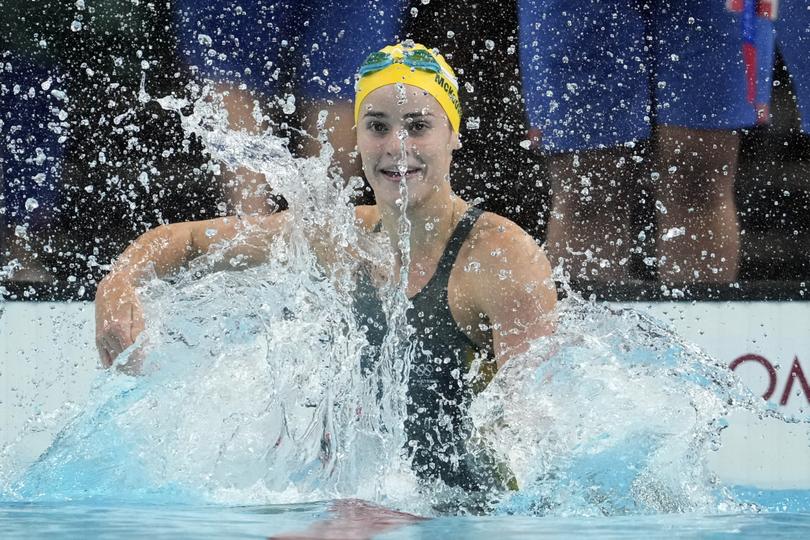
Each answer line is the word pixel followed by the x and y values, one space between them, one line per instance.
pixel 375 126
pixel 418 126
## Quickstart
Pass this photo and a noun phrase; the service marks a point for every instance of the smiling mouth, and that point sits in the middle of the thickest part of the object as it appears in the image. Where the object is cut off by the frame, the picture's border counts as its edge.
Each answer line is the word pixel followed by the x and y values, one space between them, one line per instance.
pixel 395 175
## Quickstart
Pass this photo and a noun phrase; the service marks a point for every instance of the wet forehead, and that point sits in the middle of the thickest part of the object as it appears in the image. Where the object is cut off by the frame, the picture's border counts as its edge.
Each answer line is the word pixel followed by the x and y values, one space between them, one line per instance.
pixel 400 100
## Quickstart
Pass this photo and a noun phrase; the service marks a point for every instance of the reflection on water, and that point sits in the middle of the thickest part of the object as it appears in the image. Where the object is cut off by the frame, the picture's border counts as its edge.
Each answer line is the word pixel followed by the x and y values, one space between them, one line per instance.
pixel 252 390
pixel 73 520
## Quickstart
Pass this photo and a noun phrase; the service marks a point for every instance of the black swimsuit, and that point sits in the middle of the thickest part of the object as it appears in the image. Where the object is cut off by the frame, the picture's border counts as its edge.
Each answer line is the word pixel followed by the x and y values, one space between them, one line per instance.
pixel 439 391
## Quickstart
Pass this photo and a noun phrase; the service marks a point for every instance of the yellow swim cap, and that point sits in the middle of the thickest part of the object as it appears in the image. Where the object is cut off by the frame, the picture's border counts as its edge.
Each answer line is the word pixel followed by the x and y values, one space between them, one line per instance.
pixel 415 65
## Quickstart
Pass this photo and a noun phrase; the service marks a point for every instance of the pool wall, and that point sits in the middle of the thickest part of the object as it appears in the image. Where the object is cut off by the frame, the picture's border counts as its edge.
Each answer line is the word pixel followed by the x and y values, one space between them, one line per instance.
pixel 48 357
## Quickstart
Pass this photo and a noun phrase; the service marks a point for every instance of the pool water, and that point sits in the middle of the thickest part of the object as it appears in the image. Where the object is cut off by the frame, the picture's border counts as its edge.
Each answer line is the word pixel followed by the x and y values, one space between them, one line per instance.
pixel 89 520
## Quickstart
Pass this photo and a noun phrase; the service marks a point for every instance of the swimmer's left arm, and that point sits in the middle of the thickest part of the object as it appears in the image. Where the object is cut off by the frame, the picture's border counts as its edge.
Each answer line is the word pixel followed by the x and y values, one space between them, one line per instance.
pixel 515 290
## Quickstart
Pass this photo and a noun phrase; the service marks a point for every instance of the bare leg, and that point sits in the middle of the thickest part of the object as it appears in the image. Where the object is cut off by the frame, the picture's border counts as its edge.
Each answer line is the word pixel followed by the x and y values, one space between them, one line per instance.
pixel 340 131
pixel 589 229
pixel 245 190
pixel 696 187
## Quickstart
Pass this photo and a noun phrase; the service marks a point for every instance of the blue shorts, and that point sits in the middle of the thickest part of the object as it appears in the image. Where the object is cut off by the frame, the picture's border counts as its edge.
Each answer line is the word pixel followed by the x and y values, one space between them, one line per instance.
pixel 30 147
pixel 791 33
pixel 590 70
pixel 316 46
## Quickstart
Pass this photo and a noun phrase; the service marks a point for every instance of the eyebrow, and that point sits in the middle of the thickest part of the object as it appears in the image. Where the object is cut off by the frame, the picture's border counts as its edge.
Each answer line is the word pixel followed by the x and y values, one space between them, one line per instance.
pixel 411 115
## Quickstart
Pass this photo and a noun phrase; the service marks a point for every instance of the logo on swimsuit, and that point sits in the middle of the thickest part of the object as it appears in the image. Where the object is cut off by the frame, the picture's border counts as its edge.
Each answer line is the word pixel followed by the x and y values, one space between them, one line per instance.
pixel 421 371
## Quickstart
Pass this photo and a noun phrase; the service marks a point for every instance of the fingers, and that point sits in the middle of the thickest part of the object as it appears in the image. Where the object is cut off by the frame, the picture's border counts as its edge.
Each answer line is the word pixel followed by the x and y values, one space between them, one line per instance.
pixel 104 355
pixel 109 347
pixel 115 337
pixel 119 321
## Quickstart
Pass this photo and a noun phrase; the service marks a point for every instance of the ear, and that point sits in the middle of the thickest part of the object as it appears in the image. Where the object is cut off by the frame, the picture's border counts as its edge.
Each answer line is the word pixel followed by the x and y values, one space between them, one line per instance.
pixel 455 140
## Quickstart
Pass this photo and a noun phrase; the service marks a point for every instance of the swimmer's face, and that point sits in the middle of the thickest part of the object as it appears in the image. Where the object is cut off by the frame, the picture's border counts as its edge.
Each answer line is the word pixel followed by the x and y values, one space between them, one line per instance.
pixel 403 129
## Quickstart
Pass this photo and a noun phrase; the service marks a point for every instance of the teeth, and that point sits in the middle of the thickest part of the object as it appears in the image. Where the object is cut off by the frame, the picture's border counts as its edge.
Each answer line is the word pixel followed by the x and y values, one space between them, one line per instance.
pixel 409 171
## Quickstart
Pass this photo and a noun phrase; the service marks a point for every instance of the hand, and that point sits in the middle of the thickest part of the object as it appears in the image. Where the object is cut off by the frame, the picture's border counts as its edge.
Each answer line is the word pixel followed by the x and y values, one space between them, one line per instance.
pixel 354 519
pixel 119 317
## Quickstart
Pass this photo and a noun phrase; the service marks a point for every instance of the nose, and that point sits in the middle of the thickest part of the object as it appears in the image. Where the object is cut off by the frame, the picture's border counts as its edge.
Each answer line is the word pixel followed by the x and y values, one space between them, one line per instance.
pixel 395 142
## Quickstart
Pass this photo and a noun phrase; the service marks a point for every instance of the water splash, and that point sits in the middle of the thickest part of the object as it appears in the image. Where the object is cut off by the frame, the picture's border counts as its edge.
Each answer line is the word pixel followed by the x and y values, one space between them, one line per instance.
pixel 612 415
pixel 265 400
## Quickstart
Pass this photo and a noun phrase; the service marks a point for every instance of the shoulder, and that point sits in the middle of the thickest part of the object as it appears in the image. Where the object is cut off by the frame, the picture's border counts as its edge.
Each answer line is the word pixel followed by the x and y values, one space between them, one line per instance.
pixel 508 261
pixel 496 234
pixel 507 278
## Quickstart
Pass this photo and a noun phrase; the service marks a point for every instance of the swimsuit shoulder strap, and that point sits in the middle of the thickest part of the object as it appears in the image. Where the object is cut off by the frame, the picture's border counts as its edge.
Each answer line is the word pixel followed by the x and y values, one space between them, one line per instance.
pixel 460 234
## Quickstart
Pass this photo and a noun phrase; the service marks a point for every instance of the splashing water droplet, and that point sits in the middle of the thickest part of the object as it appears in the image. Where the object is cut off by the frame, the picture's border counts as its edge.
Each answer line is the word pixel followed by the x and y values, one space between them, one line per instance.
pixel 489 44
pixel 472 266
pixel 76 26
pixel 31 204
pixel 289 105
pixel 59 94
pixel 402 95
pixel 660 207
pixel 673 233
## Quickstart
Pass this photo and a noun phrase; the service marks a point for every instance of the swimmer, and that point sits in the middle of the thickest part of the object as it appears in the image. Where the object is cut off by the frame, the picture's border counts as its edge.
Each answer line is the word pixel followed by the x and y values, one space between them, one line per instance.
pixel 478 283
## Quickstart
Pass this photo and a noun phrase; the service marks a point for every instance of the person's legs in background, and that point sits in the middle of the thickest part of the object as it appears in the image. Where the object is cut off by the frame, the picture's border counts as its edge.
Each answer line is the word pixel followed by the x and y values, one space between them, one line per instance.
pixel 698 238
pixel 33 107
pixel 586 90
pixel 298 55
pixel 701 93
pixel 244 51
pixel 590 226
pixel 597 75
pixel 245 191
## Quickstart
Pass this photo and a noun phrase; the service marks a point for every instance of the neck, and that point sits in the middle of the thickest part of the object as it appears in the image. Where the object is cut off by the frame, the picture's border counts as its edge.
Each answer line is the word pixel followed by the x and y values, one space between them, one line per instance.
pixel 432 223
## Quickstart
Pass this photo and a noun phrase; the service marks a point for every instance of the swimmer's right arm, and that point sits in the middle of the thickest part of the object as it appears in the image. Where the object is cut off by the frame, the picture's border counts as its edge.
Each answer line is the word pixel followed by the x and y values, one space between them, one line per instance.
pixel 163 251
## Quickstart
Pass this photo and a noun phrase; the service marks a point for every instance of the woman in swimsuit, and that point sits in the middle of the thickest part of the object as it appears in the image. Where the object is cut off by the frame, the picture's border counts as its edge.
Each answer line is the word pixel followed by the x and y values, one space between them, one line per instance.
pixel 478 283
